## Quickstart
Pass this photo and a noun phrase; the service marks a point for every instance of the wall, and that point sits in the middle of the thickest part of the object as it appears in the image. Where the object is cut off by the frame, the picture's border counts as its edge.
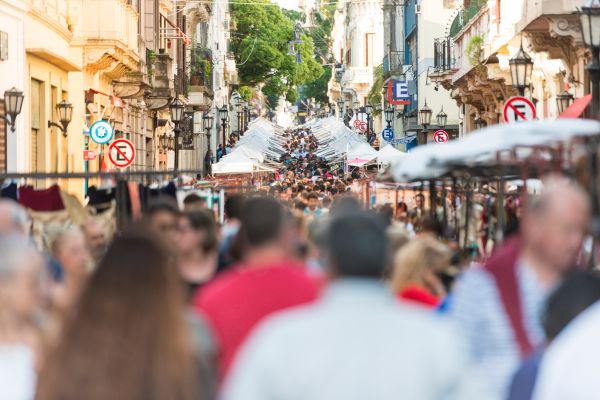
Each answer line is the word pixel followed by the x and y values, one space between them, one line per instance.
pixel 433 22
pixel 12 71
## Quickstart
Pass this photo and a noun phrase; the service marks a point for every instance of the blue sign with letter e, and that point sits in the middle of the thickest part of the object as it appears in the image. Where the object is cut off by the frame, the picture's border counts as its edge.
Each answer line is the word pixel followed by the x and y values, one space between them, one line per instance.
pixel 388 134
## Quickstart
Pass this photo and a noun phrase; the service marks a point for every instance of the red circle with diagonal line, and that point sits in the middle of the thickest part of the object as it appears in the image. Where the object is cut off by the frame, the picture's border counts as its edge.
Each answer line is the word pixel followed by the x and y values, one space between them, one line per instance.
pixel 519 108
pixel 121 153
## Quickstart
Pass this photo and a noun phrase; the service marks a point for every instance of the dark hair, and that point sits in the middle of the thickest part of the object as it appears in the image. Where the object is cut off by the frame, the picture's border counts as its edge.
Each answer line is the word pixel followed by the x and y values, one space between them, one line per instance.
pixel 262 220
pixel 577 292
pixel 162 204
pixel 357 245
pixel 128 338
pixel 386 213
pixel 204 220
pixel 193 199
pixel 312 195
pixel 233 206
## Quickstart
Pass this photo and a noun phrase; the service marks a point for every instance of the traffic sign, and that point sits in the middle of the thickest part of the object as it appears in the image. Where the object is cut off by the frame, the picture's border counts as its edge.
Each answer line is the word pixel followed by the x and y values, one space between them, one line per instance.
pixel 387 134
pixel 363 126
pixel 441 136
pixel 121 153
pixel 101 132
pixel 518 109
pixel 89 155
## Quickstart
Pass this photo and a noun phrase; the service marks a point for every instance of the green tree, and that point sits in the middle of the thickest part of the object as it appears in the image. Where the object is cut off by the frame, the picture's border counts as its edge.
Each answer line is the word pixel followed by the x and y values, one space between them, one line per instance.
pixel 260 45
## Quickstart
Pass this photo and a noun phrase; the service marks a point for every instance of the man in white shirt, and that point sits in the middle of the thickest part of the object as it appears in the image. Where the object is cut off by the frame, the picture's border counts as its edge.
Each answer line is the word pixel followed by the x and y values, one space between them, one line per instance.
pixel 569 368
pixel 358 342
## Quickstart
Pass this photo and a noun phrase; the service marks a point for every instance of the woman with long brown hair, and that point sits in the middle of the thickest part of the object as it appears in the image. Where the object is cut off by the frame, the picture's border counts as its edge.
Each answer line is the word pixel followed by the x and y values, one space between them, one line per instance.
pixel 127 338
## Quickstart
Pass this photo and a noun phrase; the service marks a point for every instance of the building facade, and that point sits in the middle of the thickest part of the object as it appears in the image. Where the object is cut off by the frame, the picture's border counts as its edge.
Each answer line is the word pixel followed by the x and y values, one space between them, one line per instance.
pixel 486 34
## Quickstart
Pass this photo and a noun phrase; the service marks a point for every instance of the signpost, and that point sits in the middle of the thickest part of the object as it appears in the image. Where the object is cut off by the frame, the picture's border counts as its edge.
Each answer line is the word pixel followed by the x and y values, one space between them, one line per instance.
pixel 441 136
pixel 518 109
pixel 89 155
pixel 101 132
pixel 121 153
pixel 387 134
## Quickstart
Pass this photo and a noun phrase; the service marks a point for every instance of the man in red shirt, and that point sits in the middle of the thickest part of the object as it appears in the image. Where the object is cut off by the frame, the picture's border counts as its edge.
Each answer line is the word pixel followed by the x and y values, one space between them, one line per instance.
pixel 266 281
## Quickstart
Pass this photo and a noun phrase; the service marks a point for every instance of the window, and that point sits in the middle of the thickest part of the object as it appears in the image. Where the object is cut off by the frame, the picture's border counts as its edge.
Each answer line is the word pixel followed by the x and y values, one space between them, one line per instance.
pixel 55 134
pixel 37 133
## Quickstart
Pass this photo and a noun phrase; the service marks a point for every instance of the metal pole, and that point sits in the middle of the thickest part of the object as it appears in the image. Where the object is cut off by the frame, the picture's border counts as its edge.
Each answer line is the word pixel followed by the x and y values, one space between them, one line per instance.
pixel 176 132
pixel 594 70
pixel 224 126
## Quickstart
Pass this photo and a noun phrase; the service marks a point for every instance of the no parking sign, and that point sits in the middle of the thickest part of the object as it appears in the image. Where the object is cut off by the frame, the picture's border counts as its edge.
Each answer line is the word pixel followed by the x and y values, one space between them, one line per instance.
pixel 518 109
pixel 121 153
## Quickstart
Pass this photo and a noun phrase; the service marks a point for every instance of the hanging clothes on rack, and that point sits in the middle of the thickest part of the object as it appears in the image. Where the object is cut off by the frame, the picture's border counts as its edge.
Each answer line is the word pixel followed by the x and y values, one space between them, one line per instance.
pixel 41 200
pixel 9 191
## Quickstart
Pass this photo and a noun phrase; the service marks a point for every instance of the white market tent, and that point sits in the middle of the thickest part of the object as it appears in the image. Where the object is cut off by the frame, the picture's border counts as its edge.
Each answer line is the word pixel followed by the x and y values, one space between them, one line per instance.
pixel 482 146
pixel 389 154
pixel 238 163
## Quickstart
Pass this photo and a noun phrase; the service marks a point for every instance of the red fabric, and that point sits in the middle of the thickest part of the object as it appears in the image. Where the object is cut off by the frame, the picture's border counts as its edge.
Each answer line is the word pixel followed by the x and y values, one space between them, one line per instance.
pixel 239 299
pixel 41 200
pixel 502 265
pixel 419 295
pixel 577 108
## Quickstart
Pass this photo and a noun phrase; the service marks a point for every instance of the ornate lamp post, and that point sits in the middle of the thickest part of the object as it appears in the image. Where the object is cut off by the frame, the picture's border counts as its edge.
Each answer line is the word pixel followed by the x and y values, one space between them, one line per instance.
pixel 340 104
pixel 425 120
pixel 65 113
pixel 563 101
pixel 369 112
pixel 239 109
pixel 13 103
pixel 521 66
pixel 176 109
pixel 389 115
pixel 207 124
pixel 223 116
pixel 442 118
pixel 589 16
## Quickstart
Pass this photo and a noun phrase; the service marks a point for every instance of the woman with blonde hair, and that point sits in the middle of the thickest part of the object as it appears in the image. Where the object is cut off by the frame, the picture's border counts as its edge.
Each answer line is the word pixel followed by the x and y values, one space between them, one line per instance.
pixel 416 268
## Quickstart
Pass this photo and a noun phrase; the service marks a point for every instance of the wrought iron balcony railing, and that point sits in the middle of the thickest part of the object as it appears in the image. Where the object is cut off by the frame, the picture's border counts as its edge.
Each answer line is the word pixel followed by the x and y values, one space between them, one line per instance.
pixel 443 54
pixel 201 67
pixel 393 63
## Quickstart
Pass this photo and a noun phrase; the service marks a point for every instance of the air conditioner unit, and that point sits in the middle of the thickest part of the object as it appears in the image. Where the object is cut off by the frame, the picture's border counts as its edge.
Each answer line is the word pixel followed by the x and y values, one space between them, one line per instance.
pixel 417 9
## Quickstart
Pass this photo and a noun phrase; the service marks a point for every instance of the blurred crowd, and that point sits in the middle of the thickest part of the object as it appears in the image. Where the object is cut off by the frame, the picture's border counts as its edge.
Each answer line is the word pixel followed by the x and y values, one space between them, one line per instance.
pixel 309 296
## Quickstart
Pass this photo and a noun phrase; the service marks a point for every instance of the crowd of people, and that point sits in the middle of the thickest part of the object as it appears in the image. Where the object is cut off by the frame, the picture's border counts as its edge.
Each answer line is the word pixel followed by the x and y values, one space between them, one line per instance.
pixel 306 297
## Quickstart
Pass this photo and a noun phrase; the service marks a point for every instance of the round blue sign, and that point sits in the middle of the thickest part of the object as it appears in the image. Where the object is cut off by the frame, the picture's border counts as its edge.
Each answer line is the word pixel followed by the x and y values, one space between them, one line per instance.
pixel 101 132
pixel 388 134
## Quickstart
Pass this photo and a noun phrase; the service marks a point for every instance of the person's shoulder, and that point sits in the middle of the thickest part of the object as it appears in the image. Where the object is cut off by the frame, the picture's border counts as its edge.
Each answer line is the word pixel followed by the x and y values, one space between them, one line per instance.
pixel 220 286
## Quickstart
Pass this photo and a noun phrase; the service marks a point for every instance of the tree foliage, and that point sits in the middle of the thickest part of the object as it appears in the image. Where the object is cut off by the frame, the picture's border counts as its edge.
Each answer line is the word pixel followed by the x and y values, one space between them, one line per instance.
pixel 260 45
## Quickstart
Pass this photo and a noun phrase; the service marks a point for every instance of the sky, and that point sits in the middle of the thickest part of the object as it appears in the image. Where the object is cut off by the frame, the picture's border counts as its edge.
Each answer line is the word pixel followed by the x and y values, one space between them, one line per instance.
pixel 289 4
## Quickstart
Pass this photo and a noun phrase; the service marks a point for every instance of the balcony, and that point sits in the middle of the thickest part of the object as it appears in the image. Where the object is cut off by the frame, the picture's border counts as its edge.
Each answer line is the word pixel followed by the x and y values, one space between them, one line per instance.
pixel 465 15
pixel 201 71
pixel 392 64
pixel 357 75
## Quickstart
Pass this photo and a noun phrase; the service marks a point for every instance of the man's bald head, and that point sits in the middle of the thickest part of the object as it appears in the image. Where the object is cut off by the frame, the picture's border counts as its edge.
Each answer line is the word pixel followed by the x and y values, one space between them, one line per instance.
pixel 13 219
pixel 555 223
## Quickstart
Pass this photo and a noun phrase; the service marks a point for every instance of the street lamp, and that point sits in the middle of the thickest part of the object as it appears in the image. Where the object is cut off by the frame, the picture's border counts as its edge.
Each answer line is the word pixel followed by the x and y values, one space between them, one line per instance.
pixel 442 118
pixel 176 109
pixel 223 115
pixel 340 104
pixel 521 66
pixel 425 120
pixel 369 112
pixel 207 124
pixel 389 115
pixel 13 102
pixel 65 113
pixel 480 123
pixel 589 17
pixel 563 101
pixel 356 105
pixel 164 141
